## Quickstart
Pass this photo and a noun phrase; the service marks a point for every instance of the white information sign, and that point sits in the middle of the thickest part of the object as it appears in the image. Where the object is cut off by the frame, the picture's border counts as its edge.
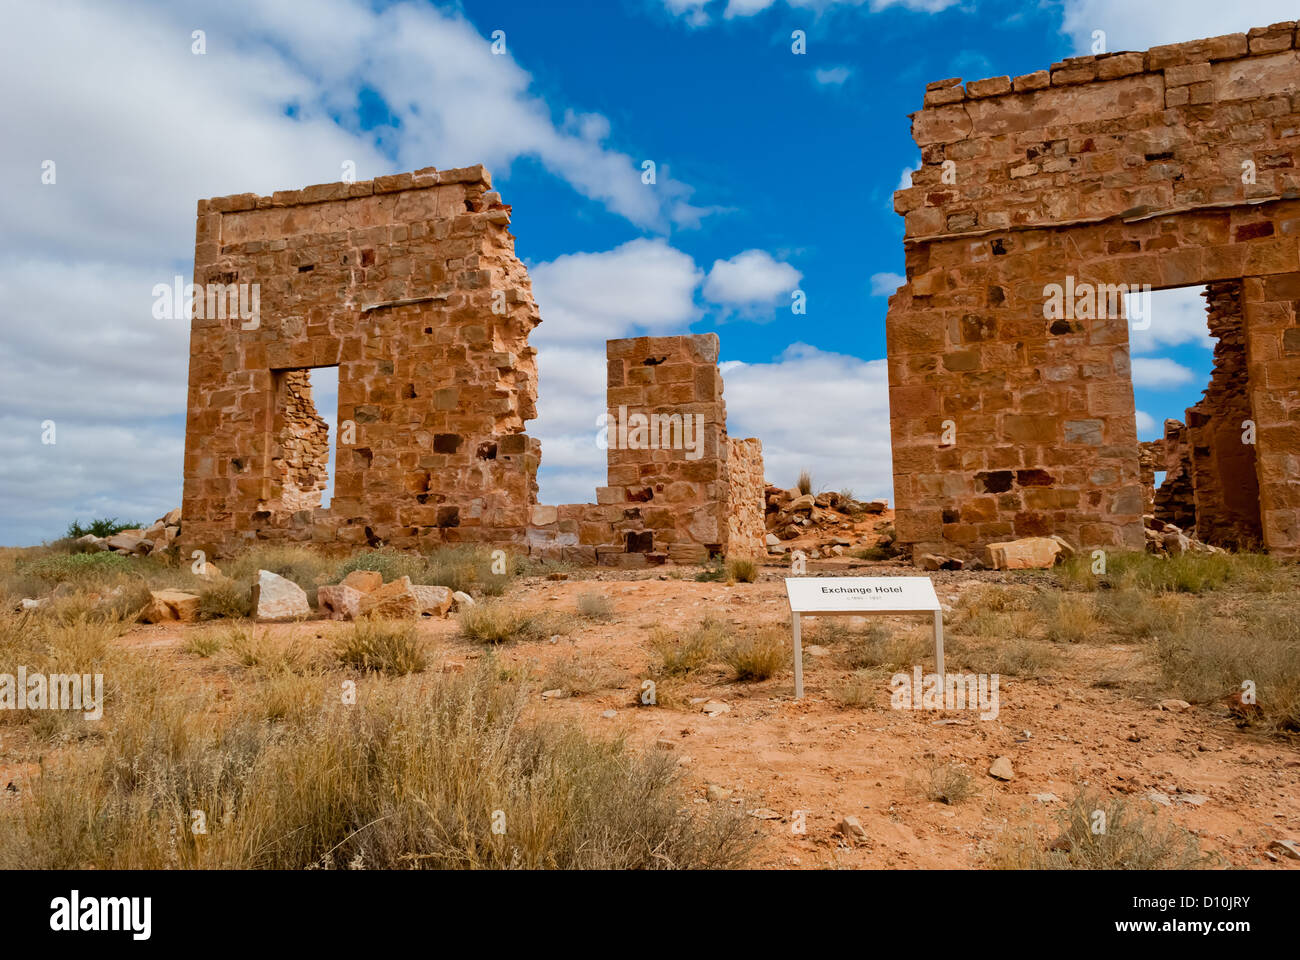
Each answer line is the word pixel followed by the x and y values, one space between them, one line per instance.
pixel 860 596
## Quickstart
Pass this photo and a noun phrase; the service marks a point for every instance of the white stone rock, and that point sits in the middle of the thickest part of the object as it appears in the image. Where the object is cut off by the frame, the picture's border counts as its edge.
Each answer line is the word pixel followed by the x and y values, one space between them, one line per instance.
pixel 1001 769
pixel 277 598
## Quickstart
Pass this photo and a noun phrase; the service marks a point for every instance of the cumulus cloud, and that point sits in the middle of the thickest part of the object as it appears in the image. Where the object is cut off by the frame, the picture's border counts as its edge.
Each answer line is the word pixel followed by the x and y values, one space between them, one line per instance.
pixel 750 281
pixel 1146 424
pixel 1160 373
pixel 844 443
pixel 1176 317
pixel 1136 26
pixel 139 127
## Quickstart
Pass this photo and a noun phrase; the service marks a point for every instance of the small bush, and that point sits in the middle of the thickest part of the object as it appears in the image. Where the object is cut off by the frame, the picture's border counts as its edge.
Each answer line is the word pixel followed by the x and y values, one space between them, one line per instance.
pixel 384 646
pixel 496 622
pixel 577 675
pixel 757 656
pixel 858 690
pixel 682 655
pixel 225 599
pixel 805 483
pixel 945 783
pixel 390 564
pixel 715 571
pixel 303 565
pixel 203 643
pixel 742 570
pixel 1128 840
pixel 595 606
pixel 257 647
pixel 1069 617
pixel 879 647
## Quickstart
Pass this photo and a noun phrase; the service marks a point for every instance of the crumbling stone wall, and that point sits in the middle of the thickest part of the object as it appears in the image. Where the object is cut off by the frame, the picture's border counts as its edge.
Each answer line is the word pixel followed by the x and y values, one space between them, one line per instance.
pixel 1175 500
pixel 670 492
pixel 747 498
pixel 1169 167
pixel 410 286
pixel 300 458
pixel 1223 476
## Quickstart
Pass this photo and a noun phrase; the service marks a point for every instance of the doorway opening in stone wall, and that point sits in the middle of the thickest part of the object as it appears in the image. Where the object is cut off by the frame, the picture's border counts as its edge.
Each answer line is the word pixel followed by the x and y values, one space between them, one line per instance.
pixel 301 450
pixel 1191 394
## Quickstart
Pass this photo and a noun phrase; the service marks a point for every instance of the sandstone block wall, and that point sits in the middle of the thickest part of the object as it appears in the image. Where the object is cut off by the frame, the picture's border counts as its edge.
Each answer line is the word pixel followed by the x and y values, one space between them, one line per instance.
pixel 1169 167
pixel 671 493
pixel 409 285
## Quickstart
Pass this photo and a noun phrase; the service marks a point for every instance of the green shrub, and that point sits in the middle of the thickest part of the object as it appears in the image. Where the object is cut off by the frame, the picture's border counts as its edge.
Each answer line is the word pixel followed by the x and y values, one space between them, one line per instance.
pixel 104 527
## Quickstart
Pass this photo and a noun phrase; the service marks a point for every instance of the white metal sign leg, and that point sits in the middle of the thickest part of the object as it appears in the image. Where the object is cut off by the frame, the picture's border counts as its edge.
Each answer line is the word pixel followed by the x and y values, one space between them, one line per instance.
pixel 938 643
pixel 798 659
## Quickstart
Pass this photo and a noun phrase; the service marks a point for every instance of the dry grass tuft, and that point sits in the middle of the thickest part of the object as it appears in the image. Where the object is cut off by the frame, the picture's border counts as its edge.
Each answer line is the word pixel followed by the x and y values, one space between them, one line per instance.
pixel 595 606
pixel 757 656
pixel 945 783
pixel 1096 832
pixel 386 646
pixel 497 622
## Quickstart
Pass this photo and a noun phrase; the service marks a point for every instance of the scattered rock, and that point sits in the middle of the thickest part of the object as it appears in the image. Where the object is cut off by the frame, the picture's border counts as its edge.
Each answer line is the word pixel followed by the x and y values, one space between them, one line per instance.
pixel 392 601
pixel 1155 796
pixel 1028 553
pixel 167 606
pixel 434 601
pixel 125 540
pixel 277 598
pixel 363 581
pixel 764 813
pixel 462 600
pixel 852 828
pixel 1174 706
pixel 931 561
pixel 1287 848
pixel 815 650
pixel 339 601
pixel 716 793
pixel 609 714
pixel 772 540
pixel 802 504
pixel 552 694
pixel 1001 769
pixel 715 707
pixel 1046 797
pixel 28 603
pixel 92 543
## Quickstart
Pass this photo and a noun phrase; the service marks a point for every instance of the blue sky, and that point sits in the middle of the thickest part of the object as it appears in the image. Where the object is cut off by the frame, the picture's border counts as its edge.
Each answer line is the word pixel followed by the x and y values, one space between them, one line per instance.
pixel 774 171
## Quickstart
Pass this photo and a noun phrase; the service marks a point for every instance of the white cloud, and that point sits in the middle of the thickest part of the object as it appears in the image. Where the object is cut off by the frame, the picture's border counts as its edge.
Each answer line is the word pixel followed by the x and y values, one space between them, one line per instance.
pixel 750 281
pixel 1137 26
pixel 839 429
pixel 1160 373
pixel 642 287
pixel 832 76
pixel 693 10
pixel 1176 317
pixel 1146 424
pixel 140 128
pixel 886 284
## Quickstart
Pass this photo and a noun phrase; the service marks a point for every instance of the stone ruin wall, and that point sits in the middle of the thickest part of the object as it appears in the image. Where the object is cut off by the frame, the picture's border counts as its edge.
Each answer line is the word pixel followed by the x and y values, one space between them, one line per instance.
pixel 410 286
pixel 663 503
pixel 1223 470
pixel 1123 168
pixel 302 439
pixel 746 511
